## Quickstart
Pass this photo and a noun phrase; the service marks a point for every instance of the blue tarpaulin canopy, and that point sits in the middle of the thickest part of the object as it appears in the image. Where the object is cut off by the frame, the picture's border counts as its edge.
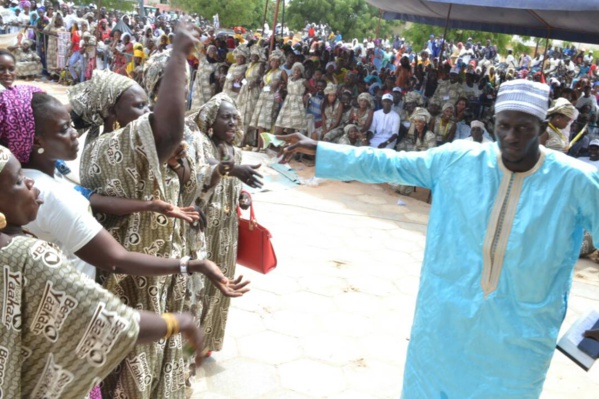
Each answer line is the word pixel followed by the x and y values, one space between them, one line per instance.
pixel 570 20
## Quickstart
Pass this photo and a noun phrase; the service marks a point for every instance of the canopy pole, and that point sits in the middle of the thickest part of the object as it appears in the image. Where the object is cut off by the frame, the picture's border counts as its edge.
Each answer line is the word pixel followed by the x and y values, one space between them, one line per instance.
pixel 545 53
pixel 378 23
pixel 444 36
pixel 274 26
pixel 264 19
pixel 283 21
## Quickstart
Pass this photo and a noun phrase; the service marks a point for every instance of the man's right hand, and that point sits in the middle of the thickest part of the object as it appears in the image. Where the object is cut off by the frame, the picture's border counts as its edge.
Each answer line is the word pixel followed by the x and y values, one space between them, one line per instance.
pixel 297 142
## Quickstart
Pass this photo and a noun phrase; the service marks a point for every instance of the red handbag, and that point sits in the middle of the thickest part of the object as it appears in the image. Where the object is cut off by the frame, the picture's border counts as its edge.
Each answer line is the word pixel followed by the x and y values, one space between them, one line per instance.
pixel 254 249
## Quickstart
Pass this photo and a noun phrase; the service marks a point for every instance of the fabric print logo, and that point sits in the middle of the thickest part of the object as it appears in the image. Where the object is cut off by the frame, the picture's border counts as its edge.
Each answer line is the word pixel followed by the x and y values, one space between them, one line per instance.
pixel 11 304
pixel 174 376
pixel 53 310
pixel 153 292
pixel 25 353
pixel 140 370
pixel 158 220
pixel 41 250
pixel 132 236
pixel 114 188
pixel 113 153
pixel 4 354
pixel 154 248
pixel 139 183
pixel 101 335
pixel 53 380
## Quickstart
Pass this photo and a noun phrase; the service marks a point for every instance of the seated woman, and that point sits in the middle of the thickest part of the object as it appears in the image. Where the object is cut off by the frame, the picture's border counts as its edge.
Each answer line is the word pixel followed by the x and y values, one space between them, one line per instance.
pixel 443 126
pixel 419 138
pixel 559 116
pixel 28 63
pixel 64 356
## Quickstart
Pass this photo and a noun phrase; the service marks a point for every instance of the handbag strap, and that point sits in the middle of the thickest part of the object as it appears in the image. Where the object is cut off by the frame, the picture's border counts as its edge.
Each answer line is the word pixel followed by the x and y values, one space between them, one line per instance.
pixel 252 215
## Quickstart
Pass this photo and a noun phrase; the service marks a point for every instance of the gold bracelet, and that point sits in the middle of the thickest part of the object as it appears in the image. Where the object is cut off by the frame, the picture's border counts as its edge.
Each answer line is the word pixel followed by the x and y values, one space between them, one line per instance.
pixel 227 170
pixel 172 325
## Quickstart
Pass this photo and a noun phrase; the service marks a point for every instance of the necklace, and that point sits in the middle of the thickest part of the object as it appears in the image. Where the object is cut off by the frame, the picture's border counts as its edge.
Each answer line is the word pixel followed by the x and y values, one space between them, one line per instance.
pixel 559 132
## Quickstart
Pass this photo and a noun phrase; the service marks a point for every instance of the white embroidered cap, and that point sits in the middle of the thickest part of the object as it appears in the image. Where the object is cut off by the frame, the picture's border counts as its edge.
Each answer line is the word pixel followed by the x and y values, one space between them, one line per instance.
pixel 524 96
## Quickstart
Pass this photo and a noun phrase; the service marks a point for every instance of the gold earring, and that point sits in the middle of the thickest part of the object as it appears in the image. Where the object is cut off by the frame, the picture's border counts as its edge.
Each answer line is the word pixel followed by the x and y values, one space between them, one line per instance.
pixel 116 125
pixel 40 150
pixel 2 221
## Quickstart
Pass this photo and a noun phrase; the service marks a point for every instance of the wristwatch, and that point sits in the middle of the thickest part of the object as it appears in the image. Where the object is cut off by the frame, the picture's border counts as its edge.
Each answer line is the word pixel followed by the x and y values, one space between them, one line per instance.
pixel 183 264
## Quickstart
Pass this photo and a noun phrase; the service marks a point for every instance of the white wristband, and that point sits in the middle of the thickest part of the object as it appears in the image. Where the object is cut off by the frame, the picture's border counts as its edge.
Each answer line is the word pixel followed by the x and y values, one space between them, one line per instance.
pixel 183 263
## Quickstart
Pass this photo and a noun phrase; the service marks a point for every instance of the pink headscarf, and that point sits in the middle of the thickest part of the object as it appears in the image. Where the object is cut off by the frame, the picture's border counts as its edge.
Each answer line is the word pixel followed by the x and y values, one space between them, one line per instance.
pixel 17 126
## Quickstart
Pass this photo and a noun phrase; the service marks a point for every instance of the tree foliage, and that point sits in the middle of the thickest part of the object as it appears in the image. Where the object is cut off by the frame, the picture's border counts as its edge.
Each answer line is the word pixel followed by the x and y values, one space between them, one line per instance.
pixel 352 18
pixel 121 5
pixel 418 34
pixel 247 13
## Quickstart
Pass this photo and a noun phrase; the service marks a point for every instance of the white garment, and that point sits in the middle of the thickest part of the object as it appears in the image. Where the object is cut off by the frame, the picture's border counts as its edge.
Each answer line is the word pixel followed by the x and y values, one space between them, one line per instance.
pixel 69 20
pixel 485 140
pixel 384 126
pixel 510 61
pixel 64 218
pixel 588 160
pixel 590 100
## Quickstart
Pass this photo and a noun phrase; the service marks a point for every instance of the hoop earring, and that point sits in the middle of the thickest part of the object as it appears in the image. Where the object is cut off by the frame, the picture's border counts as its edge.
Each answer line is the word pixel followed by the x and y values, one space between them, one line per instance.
pixel 2 221
pixel 40 150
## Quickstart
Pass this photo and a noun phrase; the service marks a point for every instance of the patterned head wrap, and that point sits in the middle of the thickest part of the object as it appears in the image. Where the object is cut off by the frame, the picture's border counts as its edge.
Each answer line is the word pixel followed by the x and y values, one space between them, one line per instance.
pixel 413 97
pixel 447 105
pixel 93 99
pixel 17 125
pixel 257 50
pixel 420 114
pixel 564 107
pixel 330 63
pixel 208 112
pixel 4 157
pixel 367 97
pixel 138 51
pixel 523 96
pixel 277 54
pixel 349 127
pixel 242 50
pixel 154 69
pixel 330 89
pixel 298 65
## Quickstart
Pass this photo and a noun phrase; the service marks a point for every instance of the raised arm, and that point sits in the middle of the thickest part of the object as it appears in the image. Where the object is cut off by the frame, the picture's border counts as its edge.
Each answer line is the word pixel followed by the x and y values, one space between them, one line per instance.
pixel 169 113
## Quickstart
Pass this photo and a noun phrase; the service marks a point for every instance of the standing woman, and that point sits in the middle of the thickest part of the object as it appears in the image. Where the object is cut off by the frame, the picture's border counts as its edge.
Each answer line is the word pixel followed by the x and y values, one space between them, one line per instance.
pixel 293 113
pixel 44 355
pixel 134 162
pixel 561 113
pixel 204 85
pixel 250 91
pixel 220 124
pixel 56 55
pixel 265 113
pixel 236 72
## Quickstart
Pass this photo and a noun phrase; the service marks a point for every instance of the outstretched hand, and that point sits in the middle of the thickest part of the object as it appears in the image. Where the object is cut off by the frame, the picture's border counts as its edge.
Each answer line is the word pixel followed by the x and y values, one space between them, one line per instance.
pixel 229 287
pixel 248 175
pixel 297 143
pixel 187 213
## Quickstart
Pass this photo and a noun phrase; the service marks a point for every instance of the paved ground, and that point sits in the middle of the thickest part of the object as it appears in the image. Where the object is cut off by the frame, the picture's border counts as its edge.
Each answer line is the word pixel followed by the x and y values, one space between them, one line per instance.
pixel 333 320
